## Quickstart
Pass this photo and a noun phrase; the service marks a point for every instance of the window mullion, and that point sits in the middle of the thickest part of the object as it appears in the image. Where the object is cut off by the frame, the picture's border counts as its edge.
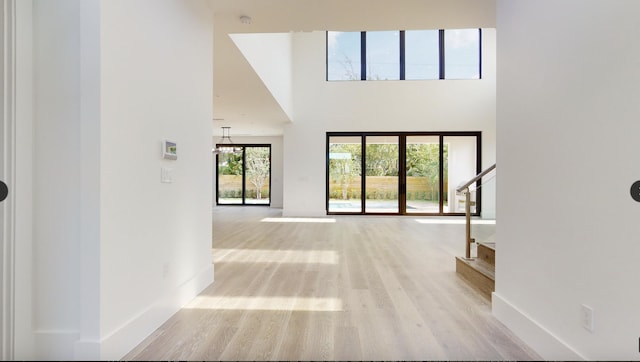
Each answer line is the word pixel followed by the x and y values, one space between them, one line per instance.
pixel 441 51
pixel 480 53
pixel 402 55
pixel 363 55
pixel 441 176
pixel 363 173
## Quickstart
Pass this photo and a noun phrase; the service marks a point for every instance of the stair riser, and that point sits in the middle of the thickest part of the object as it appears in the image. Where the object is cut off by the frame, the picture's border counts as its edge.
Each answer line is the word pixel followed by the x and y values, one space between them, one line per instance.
pixel 481 282
pixel 487 254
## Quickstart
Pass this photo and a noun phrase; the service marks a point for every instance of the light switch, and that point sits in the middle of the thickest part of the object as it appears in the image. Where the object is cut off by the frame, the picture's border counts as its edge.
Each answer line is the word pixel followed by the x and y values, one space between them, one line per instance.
pixel 166 175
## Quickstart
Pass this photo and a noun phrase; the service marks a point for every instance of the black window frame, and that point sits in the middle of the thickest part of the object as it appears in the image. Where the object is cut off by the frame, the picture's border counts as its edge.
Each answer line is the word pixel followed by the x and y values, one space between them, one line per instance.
pixel 402 56
pixel 402 185
pixel 244 191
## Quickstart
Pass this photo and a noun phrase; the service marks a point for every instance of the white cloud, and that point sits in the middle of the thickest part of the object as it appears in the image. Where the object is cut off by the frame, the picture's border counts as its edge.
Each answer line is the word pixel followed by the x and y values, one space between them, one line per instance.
pixel 332 39
pixel 461 38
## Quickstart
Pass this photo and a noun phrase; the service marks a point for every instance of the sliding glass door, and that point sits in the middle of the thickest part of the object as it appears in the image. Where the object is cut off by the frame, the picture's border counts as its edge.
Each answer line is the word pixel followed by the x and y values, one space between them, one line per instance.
pixel 400 173
pixel 423 174
pixel 244 178
pixel 344 174
pixel 257 174
pixel 460 158
pixel 229 178
pixel 381 163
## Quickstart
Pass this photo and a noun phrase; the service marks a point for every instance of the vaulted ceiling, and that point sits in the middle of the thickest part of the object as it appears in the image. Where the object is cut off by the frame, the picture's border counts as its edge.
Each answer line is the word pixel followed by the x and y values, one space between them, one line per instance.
pixel 243 102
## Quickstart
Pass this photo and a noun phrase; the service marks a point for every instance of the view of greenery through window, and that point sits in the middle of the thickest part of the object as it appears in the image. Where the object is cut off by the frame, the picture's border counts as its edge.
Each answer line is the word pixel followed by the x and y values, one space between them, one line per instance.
pixel 421 60
pixel 244 178
pixel 382 171
pixel 424 191
pixel 423 164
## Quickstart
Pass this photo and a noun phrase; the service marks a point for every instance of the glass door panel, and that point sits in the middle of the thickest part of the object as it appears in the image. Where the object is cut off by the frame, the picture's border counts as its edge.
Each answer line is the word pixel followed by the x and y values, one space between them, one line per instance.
pixel 345 174
pixel 381 183
pixel 257 171
pixel 230 178
pixel 404 173
pixel 423 174
pixel 460 165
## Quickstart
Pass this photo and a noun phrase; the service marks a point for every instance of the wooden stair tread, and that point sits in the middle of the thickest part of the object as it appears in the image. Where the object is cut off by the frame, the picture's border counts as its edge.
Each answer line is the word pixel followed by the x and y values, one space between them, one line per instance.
pixel 480 266
pixel 490 245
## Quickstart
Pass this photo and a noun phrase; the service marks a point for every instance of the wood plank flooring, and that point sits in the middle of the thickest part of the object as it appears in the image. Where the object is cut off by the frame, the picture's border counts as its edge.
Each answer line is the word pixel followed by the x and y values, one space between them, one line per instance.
pixel 344 288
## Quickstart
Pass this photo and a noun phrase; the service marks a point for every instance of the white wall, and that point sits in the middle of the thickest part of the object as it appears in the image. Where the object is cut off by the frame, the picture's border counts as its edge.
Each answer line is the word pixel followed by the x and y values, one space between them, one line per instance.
pixel 117 252
pixel 156 71
pixel 567 127
pixel 276 165
pixel 24 338
pixel 57 177
pixel 321 106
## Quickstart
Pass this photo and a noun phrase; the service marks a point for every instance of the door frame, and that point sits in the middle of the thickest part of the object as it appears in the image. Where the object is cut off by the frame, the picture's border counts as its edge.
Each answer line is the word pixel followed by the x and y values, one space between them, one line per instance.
pixel 244 191
pixel 402 137
pixel 7 174
pixel 17 339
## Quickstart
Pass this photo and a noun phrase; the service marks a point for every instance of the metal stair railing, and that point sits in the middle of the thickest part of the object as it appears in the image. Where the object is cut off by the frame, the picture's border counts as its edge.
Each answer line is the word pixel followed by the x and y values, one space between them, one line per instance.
pixel 464 189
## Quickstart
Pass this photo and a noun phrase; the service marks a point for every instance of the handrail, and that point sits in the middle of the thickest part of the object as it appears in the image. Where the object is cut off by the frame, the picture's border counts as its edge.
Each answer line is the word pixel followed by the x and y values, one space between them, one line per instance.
pixel 475 179
pixel 467 207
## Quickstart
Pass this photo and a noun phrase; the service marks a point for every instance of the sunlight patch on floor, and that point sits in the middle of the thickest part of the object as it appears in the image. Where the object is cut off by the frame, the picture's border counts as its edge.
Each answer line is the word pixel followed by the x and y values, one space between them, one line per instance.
pixel 275 256
pixel 299 219
pixel 455 221
pixel 295 304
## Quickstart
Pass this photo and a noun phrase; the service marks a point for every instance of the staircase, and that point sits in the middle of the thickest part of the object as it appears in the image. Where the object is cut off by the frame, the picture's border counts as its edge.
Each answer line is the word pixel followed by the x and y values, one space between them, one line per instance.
pixel 481 270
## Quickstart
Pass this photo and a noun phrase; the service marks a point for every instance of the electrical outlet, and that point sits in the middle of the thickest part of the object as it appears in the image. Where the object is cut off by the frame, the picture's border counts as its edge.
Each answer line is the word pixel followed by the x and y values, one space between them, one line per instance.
pixel 166 175
pixel 587 317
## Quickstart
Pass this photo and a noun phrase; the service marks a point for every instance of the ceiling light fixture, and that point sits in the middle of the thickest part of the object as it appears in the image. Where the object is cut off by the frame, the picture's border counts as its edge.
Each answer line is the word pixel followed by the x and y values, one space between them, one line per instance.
pixel 225 145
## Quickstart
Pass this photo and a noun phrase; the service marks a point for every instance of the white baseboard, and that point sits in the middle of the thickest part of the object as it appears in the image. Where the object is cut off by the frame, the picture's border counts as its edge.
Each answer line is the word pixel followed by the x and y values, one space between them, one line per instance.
pixel 66 345
pixel 547 345
pixel 120 342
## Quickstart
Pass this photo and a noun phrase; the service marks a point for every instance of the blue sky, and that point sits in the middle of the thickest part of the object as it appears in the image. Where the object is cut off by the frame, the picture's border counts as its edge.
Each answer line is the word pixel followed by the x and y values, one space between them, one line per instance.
pixel 461 54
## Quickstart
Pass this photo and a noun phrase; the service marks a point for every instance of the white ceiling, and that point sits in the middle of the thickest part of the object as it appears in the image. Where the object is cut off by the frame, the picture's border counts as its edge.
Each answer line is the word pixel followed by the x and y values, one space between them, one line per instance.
pixel 241 100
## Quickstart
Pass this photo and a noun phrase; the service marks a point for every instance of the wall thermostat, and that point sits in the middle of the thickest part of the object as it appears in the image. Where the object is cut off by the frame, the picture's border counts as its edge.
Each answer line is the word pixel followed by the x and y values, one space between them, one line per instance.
pixel 169 150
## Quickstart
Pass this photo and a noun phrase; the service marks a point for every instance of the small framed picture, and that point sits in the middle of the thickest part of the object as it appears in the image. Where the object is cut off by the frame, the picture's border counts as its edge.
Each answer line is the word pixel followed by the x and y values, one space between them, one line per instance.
pixel 169 150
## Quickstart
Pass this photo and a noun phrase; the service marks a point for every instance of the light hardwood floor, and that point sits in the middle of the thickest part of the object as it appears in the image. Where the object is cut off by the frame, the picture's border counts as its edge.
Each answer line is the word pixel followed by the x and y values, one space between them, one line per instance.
pixel 344 288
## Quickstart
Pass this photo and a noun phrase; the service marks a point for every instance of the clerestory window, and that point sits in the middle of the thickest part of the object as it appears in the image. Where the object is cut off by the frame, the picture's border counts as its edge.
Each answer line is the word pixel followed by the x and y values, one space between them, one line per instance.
pixel 404 55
